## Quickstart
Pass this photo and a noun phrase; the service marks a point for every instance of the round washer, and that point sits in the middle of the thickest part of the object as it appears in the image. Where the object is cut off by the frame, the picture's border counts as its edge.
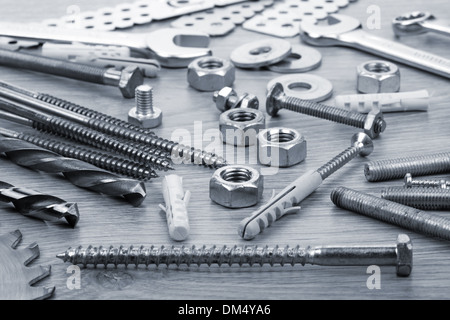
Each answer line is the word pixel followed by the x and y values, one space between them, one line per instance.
pixel 301 59
pixel 317 88
pixel 260 53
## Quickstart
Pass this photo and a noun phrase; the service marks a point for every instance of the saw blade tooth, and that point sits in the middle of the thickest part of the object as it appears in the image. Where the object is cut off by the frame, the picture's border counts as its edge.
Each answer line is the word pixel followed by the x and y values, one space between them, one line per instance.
pixel 38 293
pixel 29 253
pixel 36 273
pixel 11 239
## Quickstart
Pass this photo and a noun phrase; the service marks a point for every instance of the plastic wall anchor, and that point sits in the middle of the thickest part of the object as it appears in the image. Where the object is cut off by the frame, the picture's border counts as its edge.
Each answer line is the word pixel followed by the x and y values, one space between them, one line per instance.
pixel 176 207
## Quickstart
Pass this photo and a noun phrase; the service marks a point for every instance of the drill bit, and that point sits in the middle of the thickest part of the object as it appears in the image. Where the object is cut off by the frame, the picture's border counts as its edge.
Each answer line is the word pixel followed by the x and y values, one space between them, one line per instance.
pixel 34 204
pixel 99 159
pixel 79 173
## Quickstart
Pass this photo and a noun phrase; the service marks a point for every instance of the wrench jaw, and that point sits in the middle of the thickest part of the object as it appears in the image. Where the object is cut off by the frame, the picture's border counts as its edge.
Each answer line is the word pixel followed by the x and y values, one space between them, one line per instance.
pixel 410 23
pixel 330 34
pixel 176 48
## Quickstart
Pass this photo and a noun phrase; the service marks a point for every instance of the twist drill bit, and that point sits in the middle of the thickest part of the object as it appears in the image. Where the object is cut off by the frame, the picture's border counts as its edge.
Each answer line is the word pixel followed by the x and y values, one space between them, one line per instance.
pixel 79 173
pixel 34 204
pixel 399 255
pixel 68 129
pixel 99 159
pixel 177 150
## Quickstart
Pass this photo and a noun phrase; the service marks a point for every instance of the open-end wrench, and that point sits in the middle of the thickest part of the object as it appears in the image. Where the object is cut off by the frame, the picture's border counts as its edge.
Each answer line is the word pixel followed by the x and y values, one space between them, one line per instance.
pixel 173 48
pixel 418 22
pixel 343 30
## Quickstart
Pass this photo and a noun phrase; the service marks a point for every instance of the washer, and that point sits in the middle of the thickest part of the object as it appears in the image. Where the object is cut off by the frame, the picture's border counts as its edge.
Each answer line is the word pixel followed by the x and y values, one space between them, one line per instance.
pixel 317 88
pixel 301 59
pixel 261 53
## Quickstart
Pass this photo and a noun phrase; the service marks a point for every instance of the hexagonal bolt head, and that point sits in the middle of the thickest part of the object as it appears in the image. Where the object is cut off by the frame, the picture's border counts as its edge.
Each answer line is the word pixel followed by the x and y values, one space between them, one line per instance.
pixel 223 97
pixel 378 76
pixel 404 255
pixel 210 73
pixel 236 186
pixel 145 121
pixel 130 78
pixel 281 147
pixel 374 124
pixel 240 127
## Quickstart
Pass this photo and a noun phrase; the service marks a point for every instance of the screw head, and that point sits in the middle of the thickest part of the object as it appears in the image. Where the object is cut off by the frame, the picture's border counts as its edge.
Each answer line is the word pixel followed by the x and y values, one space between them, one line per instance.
pixel 408 180
pixel 363 139
pixel 272 104
pixel 404 255
pixel 222 96
pixel 130 78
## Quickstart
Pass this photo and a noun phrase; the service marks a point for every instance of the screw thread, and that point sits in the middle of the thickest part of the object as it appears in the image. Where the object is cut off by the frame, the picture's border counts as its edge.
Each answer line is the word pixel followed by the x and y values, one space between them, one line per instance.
pixel 99 159
pixel 417 165
pixel 430 184
pixel 89 112
pixel 338 161
pixel 144 100
pixel 391 212
pixel 420 198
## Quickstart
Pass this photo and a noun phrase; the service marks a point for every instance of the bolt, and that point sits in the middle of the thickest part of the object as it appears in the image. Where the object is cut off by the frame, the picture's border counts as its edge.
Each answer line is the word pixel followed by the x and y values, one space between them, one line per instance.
pixel 127 79
pixel 227 99
pixel 409 183
pixel 145 114
pixel 416 165
pixel 420 198
pixel 399 255
pixel 392 212
pixel 372 123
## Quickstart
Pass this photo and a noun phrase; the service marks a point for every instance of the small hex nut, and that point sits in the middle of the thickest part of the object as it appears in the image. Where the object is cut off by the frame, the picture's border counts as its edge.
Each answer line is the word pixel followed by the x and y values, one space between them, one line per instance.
pixel 249 101
pixel 281 147
pixel 210 73
pixel 374 124
pixel 145 121
pixel 378 76
pixel 240 127
pixel 236 186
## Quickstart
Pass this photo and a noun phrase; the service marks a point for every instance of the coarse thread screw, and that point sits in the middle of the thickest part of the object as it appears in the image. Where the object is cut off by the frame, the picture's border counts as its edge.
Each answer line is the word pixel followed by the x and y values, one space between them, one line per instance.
pixel 392 212
pixel 372 123
pixel 420 198
pixel 399 255
pixel 419 165
pixel 145 114
pixel 409 183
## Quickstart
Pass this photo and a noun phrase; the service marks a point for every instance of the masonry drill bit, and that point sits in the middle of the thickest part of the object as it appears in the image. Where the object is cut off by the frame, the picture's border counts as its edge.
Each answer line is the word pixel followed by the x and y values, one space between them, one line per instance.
pixel 79 173
pixel 399 255
pixel 38 205
pixel 111 127
pixel 79 133
pixel 99 159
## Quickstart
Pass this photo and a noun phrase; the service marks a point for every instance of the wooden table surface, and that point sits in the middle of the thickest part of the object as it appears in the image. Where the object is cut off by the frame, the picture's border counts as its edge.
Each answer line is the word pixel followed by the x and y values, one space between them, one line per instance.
pixel 110 221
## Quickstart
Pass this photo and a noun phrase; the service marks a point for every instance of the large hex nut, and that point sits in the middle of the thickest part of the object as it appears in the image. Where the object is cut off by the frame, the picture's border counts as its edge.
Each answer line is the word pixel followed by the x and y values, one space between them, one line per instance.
pixel 378 76
pixel 281 147
pixel 240 127
pixel 210 73
pixel 236 186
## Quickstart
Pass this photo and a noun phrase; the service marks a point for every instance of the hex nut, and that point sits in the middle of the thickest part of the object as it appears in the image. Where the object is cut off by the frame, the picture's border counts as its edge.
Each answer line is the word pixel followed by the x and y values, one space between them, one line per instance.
pixel 377 76
pixel 371 124
pixel 281 147
pixel 236 186
pixel 240 127
pixel 210 73
pixel 145 121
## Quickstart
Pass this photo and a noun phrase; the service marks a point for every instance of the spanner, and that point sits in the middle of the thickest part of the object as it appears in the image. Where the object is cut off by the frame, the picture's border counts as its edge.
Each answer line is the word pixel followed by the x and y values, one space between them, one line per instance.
pixel 347 31
pixel 173 48
pixel 418 22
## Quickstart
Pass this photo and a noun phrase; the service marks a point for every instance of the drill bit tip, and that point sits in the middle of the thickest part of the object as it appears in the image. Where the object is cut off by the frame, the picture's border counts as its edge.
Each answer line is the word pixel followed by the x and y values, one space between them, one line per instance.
pixel 72 214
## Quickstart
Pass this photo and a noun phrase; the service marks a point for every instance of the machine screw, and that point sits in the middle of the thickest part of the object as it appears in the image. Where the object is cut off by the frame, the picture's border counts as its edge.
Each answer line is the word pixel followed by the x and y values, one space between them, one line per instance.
pixel 127 80
pixel 372 123
pixel 420 198
pixel 392 212
pixel 420 165
pixel 399 255
pixel 145 114
pixel 409 183
pixel 227 99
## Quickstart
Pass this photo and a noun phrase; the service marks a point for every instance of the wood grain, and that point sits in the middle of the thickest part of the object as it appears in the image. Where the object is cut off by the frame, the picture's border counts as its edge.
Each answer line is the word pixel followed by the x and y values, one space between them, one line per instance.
pixel 110 221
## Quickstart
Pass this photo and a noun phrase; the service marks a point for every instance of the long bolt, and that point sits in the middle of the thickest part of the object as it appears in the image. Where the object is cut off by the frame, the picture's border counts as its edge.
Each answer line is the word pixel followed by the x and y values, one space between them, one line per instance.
pixel 420 165
pixel 372 123
pixel 392 212
pixel 301 188
pixel 420 198
pixel 399 255
pixel 99 159
pixel 410 182
pixel 126 80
